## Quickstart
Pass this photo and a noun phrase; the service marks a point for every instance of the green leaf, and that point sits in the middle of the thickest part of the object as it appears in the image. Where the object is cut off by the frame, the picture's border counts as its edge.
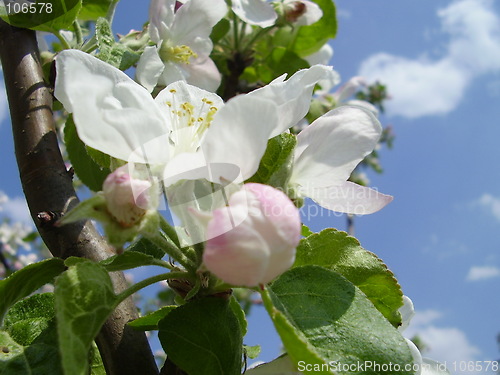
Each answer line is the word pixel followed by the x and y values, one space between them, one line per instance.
pixel 322 317
pixel 131 259
pixel 276 164
pixel 252 352
pixel 110 51
pixel 342 253
pixel 27 280
pixel 150 321
pixel 42 15
pixel 305 231
pixel 84 298
pixel 87 170
pixel 220 30
pixel 203 337
pixel 282 60
pixel 239 314
pixel 311 38
pixel 93 9
pixel 145 246
pixel 29 341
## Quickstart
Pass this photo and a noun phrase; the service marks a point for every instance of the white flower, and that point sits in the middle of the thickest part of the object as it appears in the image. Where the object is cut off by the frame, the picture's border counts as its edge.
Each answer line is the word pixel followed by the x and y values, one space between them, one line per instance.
pixel 262 246
pixel 260 13
pixel 183 44
pixel 327 152
pixel 185 132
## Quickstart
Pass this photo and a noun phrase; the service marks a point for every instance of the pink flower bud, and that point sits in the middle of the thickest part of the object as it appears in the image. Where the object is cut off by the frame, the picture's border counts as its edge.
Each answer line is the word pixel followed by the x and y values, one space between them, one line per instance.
pixel 127 198
pixel 259 248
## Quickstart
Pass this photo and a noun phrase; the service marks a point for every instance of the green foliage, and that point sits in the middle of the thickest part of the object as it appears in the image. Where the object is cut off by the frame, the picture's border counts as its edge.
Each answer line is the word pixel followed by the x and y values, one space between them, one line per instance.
pixel 323 317
pixel 203 337
pixel 276 164
pixel 342 253
pixel 116 54
pixel 150 321
pixel 84 298
pixel 27 280
pixel 145 246
pixel 93 9
pixel 42 15
pixel 311 38
pixel 131 259
pixel 29 338
pixel 87 170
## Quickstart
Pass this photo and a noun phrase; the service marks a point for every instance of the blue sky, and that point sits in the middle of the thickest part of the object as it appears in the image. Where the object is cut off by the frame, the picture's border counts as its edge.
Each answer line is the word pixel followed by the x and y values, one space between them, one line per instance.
pixel 441 62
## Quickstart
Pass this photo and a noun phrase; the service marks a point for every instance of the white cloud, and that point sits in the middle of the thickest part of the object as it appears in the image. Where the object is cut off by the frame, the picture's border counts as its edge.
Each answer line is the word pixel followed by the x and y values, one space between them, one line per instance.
pixel 16 209
pixel 444 344
pixel 424 86
pixel 482 272
pixel 490 203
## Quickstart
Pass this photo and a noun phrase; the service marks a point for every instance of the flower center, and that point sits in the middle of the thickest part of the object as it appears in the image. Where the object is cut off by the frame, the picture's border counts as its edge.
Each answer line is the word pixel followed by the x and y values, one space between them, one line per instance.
pixel 189 122
pixel 179 54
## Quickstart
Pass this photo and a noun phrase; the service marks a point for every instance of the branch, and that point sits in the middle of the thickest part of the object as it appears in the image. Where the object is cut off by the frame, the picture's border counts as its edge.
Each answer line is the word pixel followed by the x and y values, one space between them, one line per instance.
pixel 49 191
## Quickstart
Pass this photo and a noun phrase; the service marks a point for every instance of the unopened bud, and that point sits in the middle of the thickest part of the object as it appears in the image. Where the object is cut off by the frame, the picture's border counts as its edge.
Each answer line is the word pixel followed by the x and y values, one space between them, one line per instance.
pixel 262 246
pixel 127 198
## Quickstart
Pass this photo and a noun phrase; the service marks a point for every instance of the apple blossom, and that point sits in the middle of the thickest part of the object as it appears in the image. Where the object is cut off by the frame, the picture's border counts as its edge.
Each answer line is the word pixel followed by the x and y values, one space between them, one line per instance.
pixel 184 129
pixel 260 13
pixel 182 47
pixel 262 246
pixel 327 152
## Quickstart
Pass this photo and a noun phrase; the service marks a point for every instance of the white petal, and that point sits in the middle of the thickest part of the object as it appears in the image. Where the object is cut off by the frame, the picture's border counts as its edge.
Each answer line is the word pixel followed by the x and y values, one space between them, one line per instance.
pixel 322 56
pixel 349 89
pixel 293 96
pixel 312 14
pixel 348 197
pixel 407 312
pixel 161 17
pixel 195 19
pixel 364 104
pixel 149 68
pixel 255 12
pixel 172 73
pixel 112 113
pixel 417 357
pixel 204 75
pixel 329 149
pixel 239 133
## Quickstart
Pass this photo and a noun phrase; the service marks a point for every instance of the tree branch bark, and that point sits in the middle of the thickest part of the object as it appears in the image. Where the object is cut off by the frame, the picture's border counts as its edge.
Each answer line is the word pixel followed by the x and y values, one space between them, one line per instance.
pixel 49 191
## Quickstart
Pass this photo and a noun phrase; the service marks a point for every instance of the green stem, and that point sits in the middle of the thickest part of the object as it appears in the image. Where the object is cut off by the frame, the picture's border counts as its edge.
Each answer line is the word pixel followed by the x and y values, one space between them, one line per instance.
pixel 235 32
pixel 62 39
pixel 256 36
pixel 167 245
pixel 78 33
pixel 151 280
pixel 169 231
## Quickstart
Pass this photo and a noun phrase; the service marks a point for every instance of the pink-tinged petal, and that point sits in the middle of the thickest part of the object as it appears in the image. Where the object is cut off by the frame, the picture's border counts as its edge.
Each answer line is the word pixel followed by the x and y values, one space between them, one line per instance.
pixel 195 19
pixel 329 149
pixel 112 113
pixel 253 240
pixel 349 89
pixel 255 12
pixel 149 68
pixel 348 197
pixel 203 74
pixel 239 133
pixel 161 17
pixel 293 96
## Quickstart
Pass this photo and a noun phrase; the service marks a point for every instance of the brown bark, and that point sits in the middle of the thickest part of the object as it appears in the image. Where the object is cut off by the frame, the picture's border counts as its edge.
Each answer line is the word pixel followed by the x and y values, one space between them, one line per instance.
pixel 49 192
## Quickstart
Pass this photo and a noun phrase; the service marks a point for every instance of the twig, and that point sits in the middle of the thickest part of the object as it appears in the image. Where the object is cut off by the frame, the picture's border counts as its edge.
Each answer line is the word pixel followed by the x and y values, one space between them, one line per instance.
pixel 48 188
